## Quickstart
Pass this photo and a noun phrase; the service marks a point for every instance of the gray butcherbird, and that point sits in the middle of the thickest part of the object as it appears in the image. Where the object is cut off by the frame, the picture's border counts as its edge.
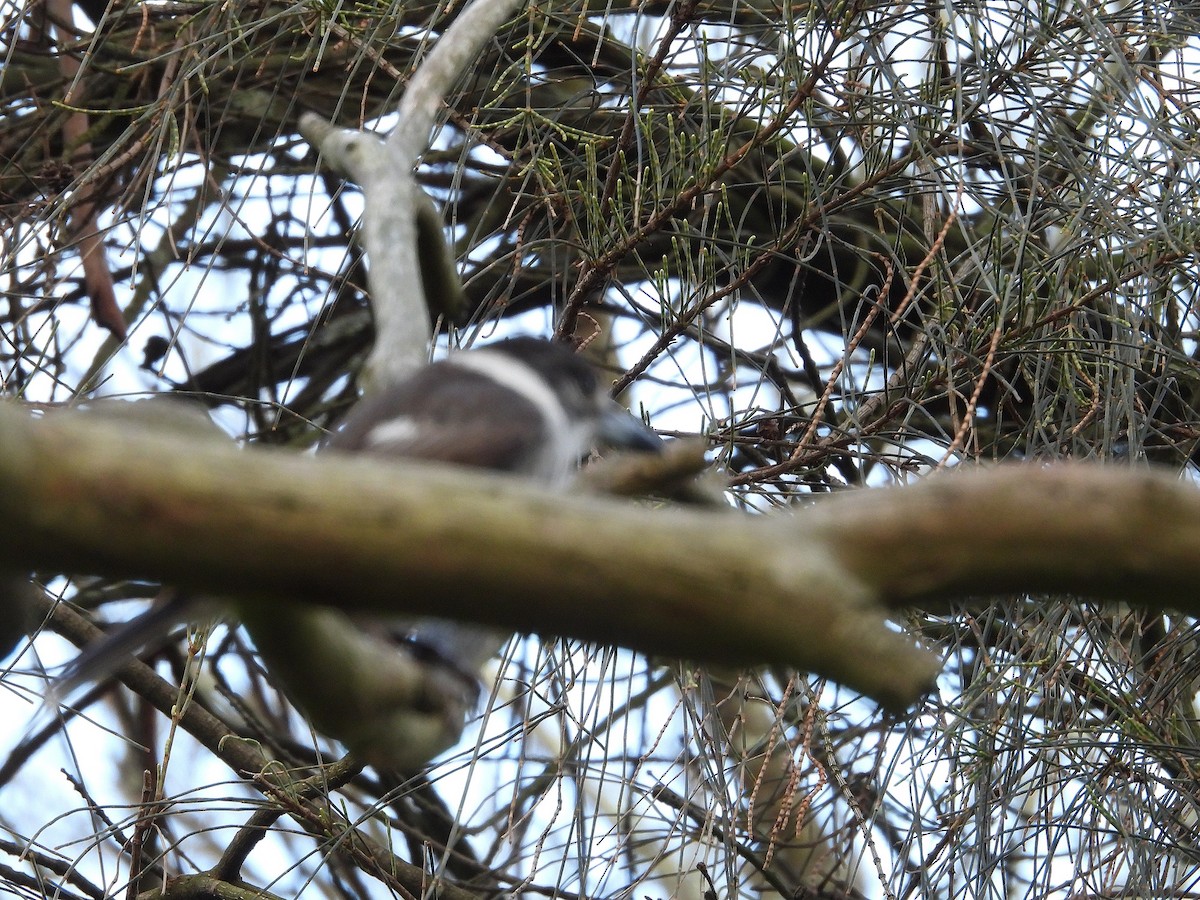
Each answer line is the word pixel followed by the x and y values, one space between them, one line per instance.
pixel 398 691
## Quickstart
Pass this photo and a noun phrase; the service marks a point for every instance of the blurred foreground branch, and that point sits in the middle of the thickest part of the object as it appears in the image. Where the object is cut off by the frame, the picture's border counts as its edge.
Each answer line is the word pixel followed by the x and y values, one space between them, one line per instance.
pixel 77 493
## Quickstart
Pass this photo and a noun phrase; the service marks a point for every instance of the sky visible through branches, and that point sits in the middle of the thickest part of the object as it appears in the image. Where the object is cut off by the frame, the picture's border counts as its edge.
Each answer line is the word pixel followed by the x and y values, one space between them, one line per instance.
pixel 845 244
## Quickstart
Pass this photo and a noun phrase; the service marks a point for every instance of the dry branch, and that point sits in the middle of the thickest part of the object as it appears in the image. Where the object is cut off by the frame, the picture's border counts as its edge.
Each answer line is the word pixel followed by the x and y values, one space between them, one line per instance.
pixel 79 494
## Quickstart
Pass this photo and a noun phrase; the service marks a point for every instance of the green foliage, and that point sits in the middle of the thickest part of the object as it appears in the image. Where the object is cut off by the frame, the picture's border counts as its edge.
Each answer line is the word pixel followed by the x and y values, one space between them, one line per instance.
pixel 845 243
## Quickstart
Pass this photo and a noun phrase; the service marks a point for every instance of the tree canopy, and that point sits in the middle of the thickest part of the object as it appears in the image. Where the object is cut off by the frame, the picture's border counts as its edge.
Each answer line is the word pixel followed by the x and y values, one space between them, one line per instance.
pixel 845 245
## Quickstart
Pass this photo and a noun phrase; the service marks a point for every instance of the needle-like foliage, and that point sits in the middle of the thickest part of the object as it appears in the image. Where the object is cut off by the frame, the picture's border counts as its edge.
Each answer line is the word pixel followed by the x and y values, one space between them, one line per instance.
pixel 845 243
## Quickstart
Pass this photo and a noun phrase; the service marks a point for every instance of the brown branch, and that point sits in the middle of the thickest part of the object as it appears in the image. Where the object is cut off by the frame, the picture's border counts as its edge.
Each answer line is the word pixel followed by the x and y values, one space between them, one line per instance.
pixel 78 492
pixel 85 222
pixel 81 492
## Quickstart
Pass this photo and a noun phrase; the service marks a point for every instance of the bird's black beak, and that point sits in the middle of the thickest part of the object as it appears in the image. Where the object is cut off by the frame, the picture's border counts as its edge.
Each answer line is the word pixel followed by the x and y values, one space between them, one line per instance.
pixel 622 431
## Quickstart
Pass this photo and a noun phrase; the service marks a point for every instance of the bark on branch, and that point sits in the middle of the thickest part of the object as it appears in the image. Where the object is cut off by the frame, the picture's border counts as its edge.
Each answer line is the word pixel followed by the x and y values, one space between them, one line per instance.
pixel 82 492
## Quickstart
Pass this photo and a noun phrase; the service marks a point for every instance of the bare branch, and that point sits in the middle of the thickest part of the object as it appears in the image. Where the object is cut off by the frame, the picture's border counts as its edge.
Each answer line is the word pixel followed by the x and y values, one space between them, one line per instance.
pixel 408 276
pixel 78 494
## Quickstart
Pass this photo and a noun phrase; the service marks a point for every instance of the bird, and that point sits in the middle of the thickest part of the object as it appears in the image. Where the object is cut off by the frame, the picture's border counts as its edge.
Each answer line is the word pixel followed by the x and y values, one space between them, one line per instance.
pixel 397 691
pixel 526 406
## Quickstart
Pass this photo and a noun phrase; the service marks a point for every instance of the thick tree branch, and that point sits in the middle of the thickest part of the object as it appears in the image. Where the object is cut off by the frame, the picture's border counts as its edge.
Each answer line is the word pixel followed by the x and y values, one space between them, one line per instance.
pixel 78 493
pixel 1116 533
